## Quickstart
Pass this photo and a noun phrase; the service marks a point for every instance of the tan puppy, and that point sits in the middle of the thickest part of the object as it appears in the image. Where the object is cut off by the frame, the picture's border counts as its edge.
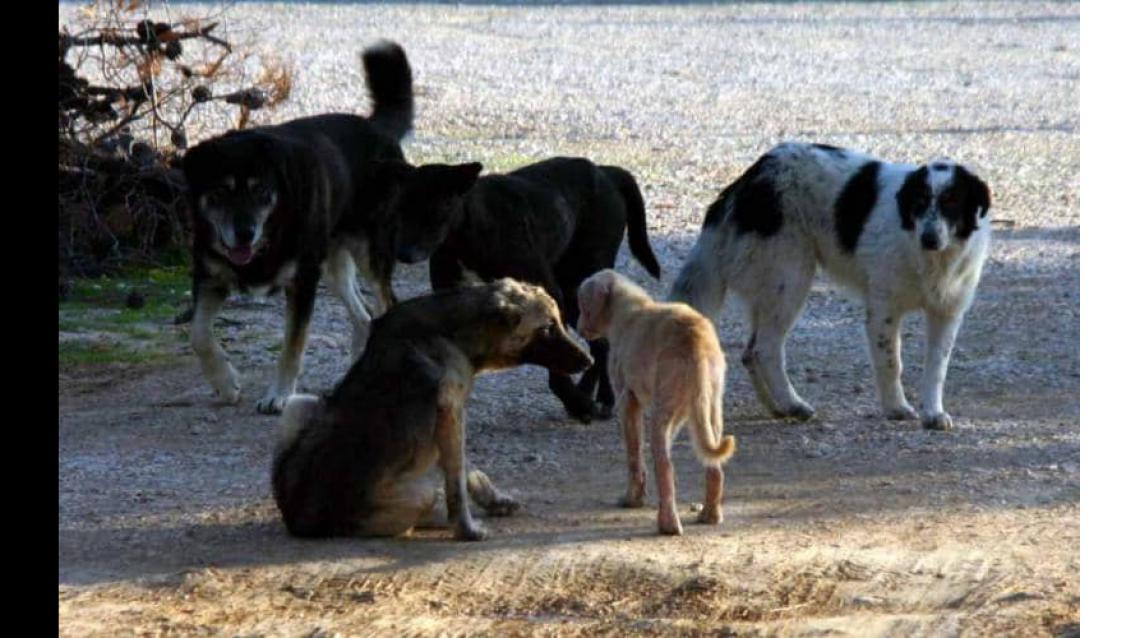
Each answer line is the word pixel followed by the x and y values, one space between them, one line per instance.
pixel 664 357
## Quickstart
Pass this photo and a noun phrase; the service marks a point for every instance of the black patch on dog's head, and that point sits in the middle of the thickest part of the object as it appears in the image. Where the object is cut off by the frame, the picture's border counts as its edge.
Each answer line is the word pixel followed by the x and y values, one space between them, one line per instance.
pixel 234 156
pixel 964 201
pixel 855 203
pixel 913 197
pixel 429 205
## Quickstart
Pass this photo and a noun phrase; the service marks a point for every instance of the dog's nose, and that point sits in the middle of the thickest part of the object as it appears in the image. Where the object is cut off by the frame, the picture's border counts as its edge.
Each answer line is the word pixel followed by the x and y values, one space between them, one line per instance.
pixel 930 241
pixel 243 235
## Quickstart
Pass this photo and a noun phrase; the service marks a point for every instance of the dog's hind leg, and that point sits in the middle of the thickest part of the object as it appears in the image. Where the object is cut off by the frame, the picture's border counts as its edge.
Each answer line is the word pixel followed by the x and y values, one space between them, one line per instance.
pixel 219 372
pixel 299 298
pixel 398 508
pixel 661 433
pixel 630 411
pixel 882 327
pixel 941 330
pixel 342 279
pixel 777 296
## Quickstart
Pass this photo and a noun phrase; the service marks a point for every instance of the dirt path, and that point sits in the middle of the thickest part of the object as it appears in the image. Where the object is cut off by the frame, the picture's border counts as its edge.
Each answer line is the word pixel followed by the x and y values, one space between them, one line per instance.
pixel 845 525
pixel 849 522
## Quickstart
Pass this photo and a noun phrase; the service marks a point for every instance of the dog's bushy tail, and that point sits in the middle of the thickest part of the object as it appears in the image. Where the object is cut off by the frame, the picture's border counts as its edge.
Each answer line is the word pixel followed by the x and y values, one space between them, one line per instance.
pixel 635 218
pixel 706 423
pixel 701 283
pixel 389 79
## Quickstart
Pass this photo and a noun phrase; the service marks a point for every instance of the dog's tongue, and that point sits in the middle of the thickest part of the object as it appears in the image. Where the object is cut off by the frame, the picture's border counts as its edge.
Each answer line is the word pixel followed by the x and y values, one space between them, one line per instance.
pixel 241 256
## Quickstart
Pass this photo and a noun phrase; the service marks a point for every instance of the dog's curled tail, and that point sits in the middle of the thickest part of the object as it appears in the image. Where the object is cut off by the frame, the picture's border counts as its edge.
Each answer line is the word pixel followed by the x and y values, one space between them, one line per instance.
pixel 707 423
pixel 700 282
pixel 389 78
pixel 635 218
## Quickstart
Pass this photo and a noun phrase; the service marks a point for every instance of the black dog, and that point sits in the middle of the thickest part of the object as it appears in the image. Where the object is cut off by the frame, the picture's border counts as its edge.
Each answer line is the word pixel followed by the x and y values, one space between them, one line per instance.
pixel 275 205
pixel 356 462
pixel 553 223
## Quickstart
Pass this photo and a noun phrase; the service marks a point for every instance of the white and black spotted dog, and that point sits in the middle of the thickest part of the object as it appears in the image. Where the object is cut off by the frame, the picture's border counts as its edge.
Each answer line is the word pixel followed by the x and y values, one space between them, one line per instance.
pixel 902 237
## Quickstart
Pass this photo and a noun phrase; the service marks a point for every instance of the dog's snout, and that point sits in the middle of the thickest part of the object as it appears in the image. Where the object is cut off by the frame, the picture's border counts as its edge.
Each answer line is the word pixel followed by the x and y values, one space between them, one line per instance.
pixel 584 359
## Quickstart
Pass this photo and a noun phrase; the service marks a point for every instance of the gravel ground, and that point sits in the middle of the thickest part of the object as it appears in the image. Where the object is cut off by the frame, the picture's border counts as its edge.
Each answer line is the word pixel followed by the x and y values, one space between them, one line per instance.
pixel 845 524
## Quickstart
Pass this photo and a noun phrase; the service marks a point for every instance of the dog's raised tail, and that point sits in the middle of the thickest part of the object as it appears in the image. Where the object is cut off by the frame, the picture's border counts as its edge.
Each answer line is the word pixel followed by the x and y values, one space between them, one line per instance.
pixel 389 78
pixel 635 218
pixel 707 425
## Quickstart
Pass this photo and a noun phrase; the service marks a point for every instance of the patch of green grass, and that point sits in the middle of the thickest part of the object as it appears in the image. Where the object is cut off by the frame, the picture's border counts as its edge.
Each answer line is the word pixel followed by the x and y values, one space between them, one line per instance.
pixel 139 335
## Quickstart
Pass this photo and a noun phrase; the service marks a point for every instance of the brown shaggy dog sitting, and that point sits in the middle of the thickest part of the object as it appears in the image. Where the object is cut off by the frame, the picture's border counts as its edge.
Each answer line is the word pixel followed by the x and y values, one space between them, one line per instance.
pixel 664 357
pixel 357 461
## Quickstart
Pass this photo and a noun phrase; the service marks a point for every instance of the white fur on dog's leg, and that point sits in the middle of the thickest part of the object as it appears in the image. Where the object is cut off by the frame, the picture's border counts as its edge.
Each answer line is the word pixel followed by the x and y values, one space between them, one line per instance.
pixel 941 332
pixel 274 399
pixel 285 386
pixel 883 342
pixel 226 383
pixel 341 269
pixel 219 372
pixel 766 365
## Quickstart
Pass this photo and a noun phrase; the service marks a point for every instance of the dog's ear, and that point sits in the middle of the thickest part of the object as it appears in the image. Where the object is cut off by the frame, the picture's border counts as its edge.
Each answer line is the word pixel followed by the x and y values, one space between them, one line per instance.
pixel 597 292
pixel 461 177
pixel 913 196
pixel 504 312
pixel 977 191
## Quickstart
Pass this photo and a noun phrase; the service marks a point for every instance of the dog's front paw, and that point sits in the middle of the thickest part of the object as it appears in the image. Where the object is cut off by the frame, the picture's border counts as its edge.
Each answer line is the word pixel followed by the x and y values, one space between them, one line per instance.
pixel 799 410
pixel 669 524
pixel 502 506
pixel 940 421
pixel 710 515
pixel 471 531
pixel 272 403
pixel 226 383
pixel 901 413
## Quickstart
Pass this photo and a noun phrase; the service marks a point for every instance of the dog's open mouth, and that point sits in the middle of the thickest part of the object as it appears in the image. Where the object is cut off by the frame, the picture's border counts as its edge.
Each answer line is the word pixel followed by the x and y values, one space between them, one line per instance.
pixel 240 255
